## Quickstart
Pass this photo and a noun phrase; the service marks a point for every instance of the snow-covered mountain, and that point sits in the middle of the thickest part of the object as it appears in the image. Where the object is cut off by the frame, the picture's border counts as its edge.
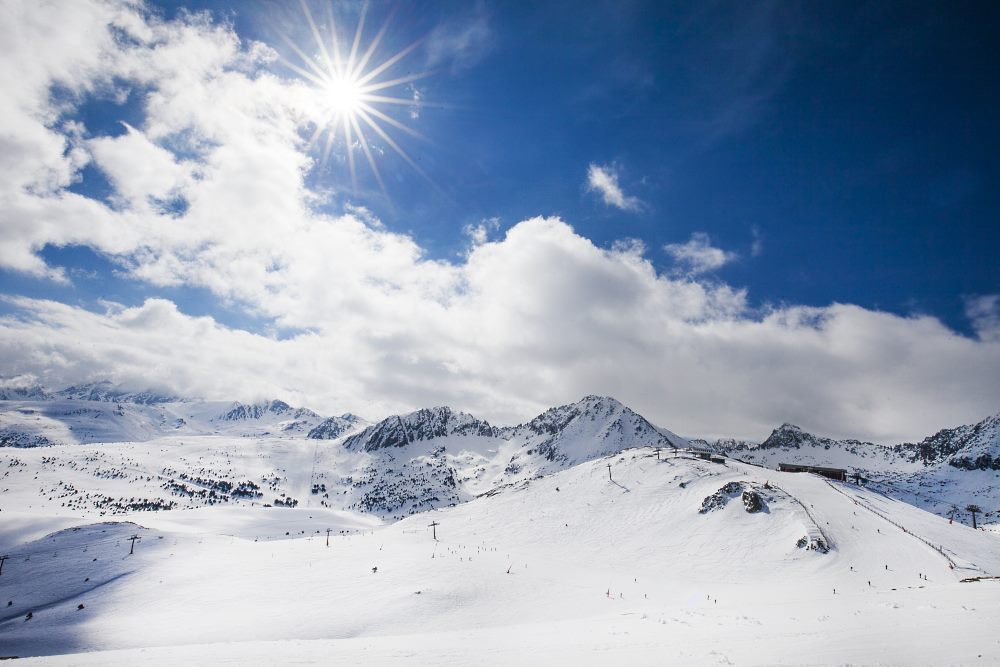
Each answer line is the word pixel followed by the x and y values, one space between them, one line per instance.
pixel 440 456
pixel 19 392
pixel 434 457
pixel 267 417
pixel 943 473
pixel 334 427
pixel 106 391
pixel 104 412
pixel 974 447
pixel 420 426
pixel 591 428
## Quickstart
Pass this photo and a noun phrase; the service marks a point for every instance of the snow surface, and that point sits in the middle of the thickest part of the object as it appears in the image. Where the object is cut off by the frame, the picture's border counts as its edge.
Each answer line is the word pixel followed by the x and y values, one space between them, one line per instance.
pixel 584 536
pixel 572 567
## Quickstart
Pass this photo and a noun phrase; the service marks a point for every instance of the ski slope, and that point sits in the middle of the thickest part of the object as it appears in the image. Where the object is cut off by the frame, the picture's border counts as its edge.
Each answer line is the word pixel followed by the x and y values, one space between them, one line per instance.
pixel 574 567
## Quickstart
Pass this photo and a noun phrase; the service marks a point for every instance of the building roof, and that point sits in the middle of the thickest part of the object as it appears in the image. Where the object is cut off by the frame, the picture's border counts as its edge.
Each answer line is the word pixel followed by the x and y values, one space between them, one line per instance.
pixel 803 466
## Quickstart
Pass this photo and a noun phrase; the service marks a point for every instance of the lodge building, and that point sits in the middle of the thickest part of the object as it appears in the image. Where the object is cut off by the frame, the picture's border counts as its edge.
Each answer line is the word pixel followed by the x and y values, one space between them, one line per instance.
pixel 839 474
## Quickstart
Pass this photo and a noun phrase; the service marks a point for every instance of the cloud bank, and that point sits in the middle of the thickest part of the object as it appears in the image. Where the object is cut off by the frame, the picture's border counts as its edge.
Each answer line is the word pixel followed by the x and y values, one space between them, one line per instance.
pixel 210 191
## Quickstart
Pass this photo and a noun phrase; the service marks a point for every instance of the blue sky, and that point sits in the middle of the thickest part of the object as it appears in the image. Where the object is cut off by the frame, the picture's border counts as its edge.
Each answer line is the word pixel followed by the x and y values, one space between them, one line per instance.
pixel 750 164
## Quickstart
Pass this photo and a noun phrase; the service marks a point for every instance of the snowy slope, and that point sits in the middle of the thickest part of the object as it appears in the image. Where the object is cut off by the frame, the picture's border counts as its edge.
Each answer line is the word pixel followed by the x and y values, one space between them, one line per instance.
pixel 568 568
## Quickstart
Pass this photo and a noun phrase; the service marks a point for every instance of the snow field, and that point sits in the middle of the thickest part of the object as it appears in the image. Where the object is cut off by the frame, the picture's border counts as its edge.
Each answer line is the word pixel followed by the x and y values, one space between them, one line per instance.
pixel 624 569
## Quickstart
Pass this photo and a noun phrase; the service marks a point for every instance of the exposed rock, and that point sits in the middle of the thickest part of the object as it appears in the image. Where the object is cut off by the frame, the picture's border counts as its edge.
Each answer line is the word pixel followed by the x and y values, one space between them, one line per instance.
pixel 812 544
pixel 721 498
pixel 752 501
pixel 426 424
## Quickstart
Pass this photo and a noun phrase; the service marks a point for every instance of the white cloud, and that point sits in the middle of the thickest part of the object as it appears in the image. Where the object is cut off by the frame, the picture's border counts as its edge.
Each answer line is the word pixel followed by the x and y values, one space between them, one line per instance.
pixel 604 181
pixel 479 233
pixel 537 317
pixel 138 168
pixel 984 313
pixel 698 255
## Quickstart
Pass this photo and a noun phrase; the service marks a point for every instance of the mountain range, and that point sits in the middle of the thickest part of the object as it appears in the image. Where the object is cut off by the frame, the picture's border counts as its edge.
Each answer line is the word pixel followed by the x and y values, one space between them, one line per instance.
pixel 943 473
pixel 405 463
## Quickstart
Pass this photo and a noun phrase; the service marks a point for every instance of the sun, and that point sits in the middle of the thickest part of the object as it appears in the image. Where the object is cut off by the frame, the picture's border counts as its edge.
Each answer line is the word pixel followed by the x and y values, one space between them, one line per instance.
pixel 343 95
pixel 354 95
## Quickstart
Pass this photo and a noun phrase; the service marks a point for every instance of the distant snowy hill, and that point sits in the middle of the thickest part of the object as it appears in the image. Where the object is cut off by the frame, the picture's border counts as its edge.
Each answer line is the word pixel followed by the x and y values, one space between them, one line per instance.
pixel 24 393
pixel 104 412
pixel 106 391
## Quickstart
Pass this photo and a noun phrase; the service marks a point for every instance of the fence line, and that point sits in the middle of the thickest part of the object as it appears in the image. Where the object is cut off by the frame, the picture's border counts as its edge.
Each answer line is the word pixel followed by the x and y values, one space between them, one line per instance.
pixel 826 539
pixel 865 505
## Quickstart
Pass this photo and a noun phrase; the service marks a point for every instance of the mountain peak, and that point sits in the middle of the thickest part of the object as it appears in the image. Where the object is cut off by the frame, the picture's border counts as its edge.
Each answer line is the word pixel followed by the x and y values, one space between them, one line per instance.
pixel 594 398
pixel 971 447
pixel 788 426
pixel 790 435
pixel 244 411
pixel 334 427
pixel 423 424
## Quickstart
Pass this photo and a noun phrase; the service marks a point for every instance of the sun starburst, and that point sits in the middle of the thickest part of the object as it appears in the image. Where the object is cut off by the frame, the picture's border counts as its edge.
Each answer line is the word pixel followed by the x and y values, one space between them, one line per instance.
pixel 351 90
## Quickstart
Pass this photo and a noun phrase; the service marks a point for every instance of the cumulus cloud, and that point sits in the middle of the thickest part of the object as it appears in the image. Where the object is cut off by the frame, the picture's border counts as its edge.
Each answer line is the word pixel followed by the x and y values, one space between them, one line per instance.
pixel 604 181
pixel 537 316
pixel 698 255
